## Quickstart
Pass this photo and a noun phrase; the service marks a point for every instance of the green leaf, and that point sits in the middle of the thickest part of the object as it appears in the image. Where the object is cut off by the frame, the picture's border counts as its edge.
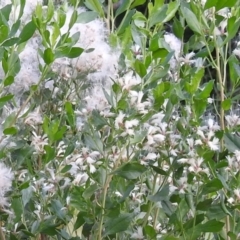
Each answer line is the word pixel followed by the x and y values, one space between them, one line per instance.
pixel 80 220
pixel 3 33
pixel 199 107
pixel 27 32
pixel 118 224
pixel 178 29
pixel 138 137
pixel 159 170
pixel 191 20
pixel 10 131
pixel 226 104
pixel 94 142
pixel 70 114
pixel 74 52
pixel 210 4
pixel 193 86
pixel 50 10
pixel 158 15
pixel 171 11
pixel 150 231
pixel 48 56
pixel 130 171
pixel 125 4
pixel 49 155
pixel 206 91
pixel 8 81
pixel 16 205
pixel 233 25
pixel 86 17
pixel 204 205
pixel 225 3
pixel 137 3
pixel 87 194
pixel 234 69
pixel 55 34
pixel 163 194
pixel 212 186
pixel 10 42
pixel 15 28
pixel 122 104
pixel 73 19
pixel 61 16
pixel 57 208
pixel 210 226
pixel 96 6
pixel 22 6
pixel 125 22
pixel 232 142
pixel 140 68
pixel 6 10
pixel 6 98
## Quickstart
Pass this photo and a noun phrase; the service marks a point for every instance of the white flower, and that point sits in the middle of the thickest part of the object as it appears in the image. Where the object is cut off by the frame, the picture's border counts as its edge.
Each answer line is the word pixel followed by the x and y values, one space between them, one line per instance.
pixel 39 142
pixel 119 120
pixel 237 194
pixel 80 179
pixel 138 234
pixel 195 165
pixel 214 144
pixel 34 118
pixel 6 177
pixel 233 120
pixel 236 52
pixel 237 155
pixel 128 81
pixel 174 43
pixel 231 200
pixel 131 123
pixel 182 184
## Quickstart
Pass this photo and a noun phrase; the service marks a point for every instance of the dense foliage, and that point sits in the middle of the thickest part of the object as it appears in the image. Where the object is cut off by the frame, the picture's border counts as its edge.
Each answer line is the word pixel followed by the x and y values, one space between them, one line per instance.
pixel 119 120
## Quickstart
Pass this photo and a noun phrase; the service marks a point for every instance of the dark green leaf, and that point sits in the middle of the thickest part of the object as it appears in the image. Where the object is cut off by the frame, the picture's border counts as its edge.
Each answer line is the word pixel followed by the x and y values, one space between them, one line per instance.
pixel 232 142
pixel 49 153
pixel 70 114
pixel 27 32
pixel 3 33
pixel 158 15
pixel 73 19
pixel 163 194
pixel 140 68
pixel 210 226
pixel 125 22
pixel 159 170
pixel 86 17
pixel 118 224
pixel 226 104
pixel 191 20
pixel 10 42
pixel 96 6
pixel 48 56
pixel 10 131
pixel 130 170
pixel 204 205
pixel 212 186
pixel 125 4
pixel 6 98
pixel 8 81
pixel 74 52
pixel 80 220
pixel 150 231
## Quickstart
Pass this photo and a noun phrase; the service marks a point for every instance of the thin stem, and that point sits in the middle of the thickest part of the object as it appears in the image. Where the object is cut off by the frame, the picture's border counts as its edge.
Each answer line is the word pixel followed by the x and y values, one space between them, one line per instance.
pixel 2 236
pixel 103 207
